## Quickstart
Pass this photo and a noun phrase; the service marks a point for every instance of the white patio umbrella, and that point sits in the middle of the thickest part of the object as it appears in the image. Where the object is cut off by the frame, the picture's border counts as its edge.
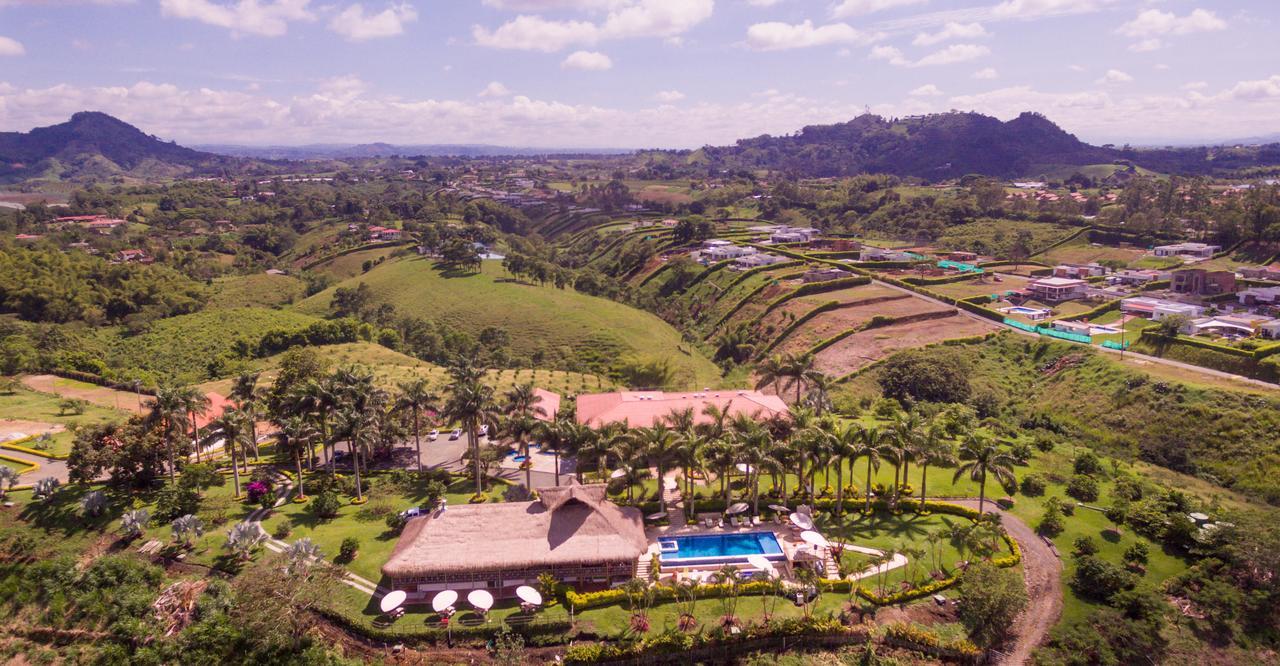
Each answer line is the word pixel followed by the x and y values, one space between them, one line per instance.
pixel 529 595
pixel 801 520
pixel 738 508
pixel 811 537
pixel 617 473
pixel 481 599
pixel 392 600
pixel 657 516
pixel 779 508
pixel 760 562
pixel 443 600
pixel 744 468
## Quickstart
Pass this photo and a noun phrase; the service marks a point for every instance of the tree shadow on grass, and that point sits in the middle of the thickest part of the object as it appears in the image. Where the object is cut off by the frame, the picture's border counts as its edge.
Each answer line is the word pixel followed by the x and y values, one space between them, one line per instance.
pixel 62 512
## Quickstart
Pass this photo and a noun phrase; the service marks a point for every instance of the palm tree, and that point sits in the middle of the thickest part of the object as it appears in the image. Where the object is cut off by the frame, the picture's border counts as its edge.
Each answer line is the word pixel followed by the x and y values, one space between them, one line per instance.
pixel 244 391
pixel 575 438
pixel 799 371
pixel 819 397
pixel 8 479
pixel 869 445
pixel 979 456
pixel 169 413
pixel 842 444
pixel 692 455
pixel 771 371
pixel 361 403
pixel 415 397
pixel 660 445
pixel 245 537
pixel 753 446
pixel 296 436
pixel 471 403
pixel 933 449
pixel 721 454
pixel 133 523
pixel 301 554
pixel 196 404
pixel 320 398
pixel 231 427
pixel 521 403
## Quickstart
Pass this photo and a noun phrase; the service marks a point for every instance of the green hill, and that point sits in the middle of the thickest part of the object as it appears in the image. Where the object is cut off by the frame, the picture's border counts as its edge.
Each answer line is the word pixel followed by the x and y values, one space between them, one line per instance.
pixel 195 347
pixel 551 327
pixel 257 290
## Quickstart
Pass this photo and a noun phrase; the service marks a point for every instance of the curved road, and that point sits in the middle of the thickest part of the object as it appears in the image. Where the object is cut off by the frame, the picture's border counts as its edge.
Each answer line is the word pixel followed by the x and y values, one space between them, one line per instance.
pixel 1042 570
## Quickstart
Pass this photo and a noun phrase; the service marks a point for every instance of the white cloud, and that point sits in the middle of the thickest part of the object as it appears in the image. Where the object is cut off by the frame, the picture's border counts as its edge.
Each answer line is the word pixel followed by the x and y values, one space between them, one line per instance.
pixel 951 30
pixel 11 47
pixel 1152 44
pixel 355 26
pixel 270 19
pixel 778 36
pixel 495 89
pixel 926 90
pixel 1114 77
pixel 986 73
pixel 763 3
pixel 1260 89
pixel 549 5
pixel 1153 22
pixel 953 54
pixel 1029 9
pixel 891 54
pixel 669 96
pixel 848 8
pixel 625 19
pixel 1195 85
pixel 1076 68
pixel 587 60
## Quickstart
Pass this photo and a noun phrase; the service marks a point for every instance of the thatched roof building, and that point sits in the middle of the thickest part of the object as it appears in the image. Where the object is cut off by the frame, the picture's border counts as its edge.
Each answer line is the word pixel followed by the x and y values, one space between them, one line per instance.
pixel 573 531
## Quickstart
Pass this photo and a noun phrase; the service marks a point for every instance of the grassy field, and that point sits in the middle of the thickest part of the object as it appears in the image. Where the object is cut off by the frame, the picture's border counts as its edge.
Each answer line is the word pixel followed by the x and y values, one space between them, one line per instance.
pixel 195 347
pixel 995 237
pixel 257 290
pixel 25 409
pixel 350 265
pixel 552 327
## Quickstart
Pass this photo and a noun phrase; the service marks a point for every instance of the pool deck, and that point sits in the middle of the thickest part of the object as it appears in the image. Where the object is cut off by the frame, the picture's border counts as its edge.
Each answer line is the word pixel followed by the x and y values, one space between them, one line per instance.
pixel 787 534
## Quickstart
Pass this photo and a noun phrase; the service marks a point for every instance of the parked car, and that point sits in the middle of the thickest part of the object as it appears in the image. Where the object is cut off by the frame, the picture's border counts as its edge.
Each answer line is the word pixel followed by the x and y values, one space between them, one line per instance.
pixel 455 434
pixel 484 431
pixel 433 435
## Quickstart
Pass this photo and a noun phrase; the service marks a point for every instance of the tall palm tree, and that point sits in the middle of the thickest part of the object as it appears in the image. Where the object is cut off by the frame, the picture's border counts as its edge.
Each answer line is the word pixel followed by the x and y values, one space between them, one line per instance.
pixel 979 456
pixel 320 398
pixel 801 442
pixel 244 391
pixel 841 445
pixel 358 416
pixel 904 435
pixel 169 413
pixel 660 445
pixel 196 404
pixel 771 371
pixel 933 449
pixel 721 455
pixel 574 439
pixel 523 410
pixel 232 427
pixel 472 404
pixel 693 458
pixel 753 446
pixel 870 445
pixel 296 437
pixel 415 397
pixel 819 397
pixel 799 371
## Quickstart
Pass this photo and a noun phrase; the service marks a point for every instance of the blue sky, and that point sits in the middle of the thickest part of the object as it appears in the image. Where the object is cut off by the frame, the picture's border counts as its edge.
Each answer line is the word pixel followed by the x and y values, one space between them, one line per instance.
pixel 635 73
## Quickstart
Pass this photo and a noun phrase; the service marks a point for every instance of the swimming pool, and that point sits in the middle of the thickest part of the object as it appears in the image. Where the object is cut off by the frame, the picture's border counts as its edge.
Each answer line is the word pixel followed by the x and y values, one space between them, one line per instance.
pixel 703 549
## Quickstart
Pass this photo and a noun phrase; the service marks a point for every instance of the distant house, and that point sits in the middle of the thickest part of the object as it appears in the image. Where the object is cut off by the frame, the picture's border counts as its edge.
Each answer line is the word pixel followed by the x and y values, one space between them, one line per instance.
pixel 276 271
pixel 793 235
pixel 132 256
pixel 385 234
pixel 1157 309
pixel 724 252
pixel 870 253
pixel 1189 250
pixel 966 257
pixel 1079 271
pixel 824 274
pixel 1056 289
pixel 1270 329
pixel 1271 273
pixel 1077 327
pixel 1228 325
pixel 1259 296
pixel 1137 278
pixel 1202 282
pixel 27 238
pixel 757 260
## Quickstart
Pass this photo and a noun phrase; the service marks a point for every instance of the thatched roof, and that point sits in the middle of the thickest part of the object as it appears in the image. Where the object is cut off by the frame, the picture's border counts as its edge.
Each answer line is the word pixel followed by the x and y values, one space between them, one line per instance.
pixel 569 525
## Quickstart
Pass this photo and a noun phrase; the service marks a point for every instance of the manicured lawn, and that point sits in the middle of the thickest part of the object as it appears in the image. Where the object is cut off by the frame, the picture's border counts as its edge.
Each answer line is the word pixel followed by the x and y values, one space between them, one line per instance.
pixel 17 467
pixel 560 326
pixel 884 531
pixel 27 405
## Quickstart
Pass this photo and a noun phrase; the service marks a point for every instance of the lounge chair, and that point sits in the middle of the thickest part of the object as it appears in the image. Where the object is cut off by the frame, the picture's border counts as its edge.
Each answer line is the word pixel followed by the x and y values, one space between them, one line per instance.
pixel 755 520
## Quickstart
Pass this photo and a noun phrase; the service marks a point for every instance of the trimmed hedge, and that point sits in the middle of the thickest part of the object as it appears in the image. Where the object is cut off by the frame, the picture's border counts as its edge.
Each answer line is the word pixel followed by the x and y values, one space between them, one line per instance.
pixel 946 279
pixel 17 445
pixel 673 643
pixel 760 269
pixel 817 288
pixel 713 268
pixel 352 250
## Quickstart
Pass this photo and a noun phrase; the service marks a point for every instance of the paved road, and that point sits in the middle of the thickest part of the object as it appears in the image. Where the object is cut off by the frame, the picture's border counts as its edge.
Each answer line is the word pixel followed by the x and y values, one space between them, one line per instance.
pixel 1145 358
pixel 55 468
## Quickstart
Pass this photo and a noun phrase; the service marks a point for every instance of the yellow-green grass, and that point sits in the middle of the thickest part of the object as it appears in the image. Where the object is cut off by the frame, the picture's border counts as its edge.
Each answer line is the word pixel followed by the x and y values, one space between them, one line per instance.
pixel 561 326
pixel 257 290
pixel 183 348
pixel 19 467
pixel 885 531
pixel 25 404
pixel 997 236
pixel 979 287
pixel 352 264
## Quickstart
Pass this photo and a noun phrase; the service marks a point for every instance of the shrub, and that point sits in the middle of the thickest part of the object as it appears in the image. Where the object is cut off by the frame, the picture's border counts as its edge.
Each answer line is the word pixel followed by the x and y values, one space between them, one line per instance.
pixel 990 598
pixel 1138 552
pixel 1117 512
pixel 396 522
pixel 1096 579
pixel 1033 485
pixel 347 551
pixel 326 504
pixel 1051 524
pixel 1087 463
pixel 175 501
pixel 1083 488
pixel 1005 503
pixel 283 530
pixel 1084 546
pixel 1068 508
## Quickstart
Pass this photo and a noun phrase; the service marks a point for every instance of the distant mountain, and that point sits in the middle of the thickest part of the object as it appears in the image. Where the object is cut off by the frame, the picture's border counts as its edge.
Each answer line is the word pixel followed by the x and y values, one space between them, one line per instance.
pixel 322 151
pixel 950 145
pixel 93 145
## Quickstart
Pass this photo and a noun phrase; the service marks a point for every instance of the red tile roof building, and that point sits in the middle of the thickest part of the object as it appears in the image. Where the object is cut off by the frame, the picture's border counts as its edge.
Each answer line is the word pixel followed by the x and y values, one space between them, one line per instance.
pixel 643 409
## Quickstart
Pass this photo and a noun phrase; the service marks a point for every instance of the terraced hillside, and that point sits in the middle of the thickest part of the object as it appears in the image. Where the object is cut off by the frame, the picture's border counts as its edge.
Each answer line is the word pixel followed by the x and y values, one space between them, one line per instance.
pixel 554 327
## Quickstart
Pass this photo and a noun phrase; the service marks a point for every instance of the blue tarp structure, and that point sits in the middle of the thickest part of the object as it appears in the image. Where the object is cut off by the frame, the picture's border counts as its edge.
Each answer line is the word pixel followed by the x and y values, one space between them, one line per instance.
pixel 1112 344
pixel 962 267
pixel 1044 330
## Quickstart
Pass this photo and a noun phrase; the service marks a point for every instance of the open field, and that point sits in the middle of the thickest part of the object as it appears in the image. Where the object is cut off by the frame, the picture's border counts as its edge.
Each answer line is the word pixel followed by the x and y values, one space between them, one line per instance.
pixel 990 236
pixel 832 322
pixel 350 265
pixel 257 290
pixel 984 286
pixel 548 325
pixel 32 412
pixel 866 347
pixel 1081 251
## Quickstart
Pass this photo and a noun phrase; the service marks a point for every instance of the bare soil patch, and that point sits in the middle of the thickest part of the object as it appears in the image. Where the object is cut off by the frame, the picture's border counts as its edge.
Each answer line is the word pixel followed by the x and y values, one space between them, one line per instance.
pixel 10 427
pixel 867 347
pixel 98 395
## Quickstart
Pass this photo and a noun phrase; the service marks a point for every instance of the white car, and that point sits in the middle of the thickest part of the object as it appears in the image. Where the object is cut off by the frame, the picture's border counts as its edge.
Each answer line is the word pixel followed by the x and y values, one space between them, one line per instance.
pixel 433 435
pixel 455 434
pixel 484 431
